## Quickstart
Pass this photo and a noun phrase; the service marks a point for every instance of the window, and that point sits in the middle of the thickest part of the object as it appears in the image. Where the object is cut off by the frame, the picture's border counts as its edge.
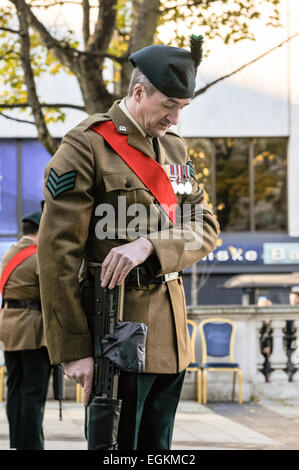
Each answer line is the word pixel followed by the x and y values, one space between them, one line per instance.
pixel 22 164
pixel 5 244
pixel 270 176
pixel 245 180
pixel 8 188
pixel 34 160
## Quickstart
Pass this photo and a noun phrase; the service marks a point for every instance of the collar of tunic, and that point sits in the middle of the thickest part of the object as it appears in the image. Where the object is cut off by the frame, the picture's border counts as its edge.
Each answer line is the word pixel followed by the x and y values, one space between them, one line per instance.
pixel 124 108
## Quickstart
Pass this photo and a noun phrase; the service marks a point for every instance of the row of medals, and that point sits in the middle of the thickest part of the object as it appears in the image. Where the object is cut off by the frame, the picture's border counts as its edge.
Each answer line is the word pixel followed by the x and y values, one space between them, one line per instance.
pixel 179 176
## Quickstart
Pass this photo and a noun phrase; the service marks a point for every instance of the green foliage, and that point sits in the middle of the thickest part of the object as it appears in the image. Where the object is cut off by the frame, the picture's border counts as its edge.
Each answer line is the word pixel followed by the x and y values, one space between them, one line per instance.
pixel 12 86
pixel 229 20
pixel 120 41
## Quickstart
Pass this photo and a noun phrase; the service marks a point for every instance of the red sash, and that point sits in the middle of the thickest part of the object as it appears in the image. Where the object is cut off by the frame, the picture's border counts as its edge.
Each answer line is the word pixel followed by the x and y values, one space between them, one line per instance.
pixel 148 170
pixel 14 262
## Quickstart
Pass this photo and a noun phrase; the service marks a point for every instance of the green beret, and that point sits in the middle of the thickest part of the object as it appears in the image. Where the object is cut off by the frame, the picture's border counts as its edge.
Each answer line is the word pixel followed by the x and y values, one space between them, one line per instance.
pixel 34 217
pixel 171 70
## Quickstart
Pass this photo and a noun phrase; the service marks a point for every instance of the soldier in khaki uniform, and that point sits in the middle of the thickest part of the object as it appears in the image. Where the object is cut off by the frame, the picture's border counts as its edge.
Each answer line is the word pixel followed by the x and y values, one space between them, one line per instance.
pixel 21 330
pixel 88 176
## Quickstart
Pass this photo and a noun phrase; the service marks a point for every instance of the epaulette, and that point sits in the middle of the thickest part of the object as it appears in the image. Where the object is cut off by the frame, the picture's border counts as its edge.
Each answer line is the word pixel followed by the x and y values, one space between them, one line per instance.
pixel 95 118
pixel 170 131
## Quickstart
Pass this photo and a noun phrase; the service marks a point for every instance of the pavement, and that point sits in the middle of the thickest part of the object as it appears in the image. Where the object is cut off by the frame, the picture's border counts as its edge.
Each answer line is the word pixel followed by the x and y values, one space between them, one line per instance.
pixel 215 426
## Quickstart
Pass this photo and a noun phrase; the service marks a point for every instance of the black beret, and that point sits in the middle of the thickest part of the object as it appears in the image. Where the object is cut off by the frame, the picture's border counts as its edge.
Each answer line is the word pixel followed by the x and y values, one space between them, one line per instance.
pixel 171 70
pixel 34 217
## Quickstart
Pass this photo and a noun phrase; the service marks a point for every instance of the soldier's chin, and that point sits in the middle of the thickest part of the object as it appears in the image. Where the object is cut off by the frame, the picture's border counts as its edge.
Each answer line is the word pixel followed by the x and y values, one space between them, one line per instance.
pixel 159 130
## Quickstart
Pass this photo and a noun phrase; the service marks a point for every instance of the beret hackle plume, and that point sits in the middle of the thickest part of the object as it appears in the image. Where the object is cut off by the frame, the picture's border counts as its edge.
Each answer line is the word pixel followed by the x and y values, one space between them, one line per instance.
pixel 196 43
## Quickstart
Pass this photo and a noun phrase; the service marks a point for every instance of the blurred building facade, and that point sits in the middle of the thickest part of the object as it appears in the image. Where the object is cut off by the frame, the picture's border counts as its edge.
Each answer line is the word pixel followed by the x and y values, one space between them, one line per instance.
pixel 243 137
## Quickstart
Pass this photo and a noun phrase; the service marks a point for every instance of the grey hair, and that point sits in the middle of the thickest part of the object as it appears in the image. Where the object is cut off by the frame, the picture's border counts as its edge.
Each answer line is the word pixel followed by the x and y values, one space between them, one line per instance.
pixel 139 77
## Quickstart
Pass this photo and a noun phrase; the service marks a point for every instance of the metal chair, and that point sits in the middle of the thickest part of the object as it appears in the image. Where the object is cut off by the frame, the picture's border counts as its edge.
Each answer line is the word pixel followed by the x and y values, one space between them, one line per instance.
pixel 217 337
pixel 194 366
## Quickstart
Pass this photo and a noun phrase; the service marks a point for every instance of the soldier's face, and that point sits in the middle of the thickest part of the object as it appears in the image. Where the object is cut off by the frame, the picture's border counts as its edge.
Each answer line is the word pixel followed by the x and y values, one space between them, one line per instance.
pixel 156 112
pixel 294 298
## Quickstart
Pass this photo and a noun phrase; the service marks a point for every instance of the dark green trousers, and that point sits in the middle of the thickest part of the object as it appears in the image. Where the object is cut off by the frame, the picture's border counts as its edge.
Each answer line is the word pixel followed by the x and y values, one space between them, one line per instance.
pixel 149 403
pixel 28 373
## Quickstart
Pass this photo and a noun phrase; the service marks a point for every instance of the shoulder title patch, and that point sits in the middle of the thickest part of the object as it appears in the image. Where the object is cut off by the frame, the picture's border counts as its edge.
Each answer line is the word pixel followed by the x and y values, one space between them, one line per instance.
pixel 59 184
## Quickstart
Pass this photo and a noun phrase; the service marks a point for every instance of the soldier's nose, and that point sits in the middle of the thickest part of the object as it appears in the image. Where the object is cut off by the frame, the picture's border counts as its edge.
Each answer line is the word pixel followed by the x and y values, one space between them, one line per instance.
pixel 173 117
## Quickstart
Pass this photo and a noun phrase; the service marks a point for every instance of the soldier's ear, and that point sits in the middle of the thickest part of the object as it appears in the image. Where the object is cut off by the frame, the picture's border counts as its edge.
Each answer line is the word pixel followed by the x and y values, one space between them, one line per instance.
pixel 138 92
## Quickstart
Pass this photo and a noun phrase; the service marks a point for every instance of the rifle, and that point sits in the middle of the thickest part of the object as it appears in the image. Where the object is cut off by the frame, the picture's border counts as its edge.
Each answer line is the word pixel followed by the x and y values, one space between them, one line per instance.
pixel 117 346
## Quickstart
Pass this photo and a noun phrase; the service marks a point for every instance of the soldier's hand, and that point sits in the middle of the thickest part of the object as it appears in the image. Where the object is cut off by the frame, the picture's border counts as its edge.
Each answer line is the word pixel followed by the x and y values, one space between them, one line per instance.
pixel 81 371
pixel 122 259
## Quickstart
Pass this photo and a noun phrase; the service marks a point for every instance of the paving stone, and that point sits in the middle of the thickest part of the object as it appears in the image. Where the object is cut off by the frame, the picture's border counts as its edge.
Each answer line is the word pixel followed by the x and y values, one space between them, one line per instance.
pixel 215 426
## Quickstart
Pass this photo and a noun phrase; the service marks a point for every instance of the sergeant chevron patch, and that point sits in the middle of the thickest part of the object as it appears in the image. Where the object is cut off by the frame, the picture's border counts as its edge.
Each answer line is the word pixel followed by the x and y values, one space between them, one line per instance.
pixel 59 184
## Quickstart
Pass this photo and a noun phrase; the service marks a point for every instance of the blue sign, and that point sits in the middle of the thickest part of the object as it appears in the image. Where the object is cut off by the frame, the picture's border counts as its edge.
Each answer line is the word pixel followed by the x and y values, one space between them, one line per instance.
pixel 264 253
pixel 236 254
pixel 281 253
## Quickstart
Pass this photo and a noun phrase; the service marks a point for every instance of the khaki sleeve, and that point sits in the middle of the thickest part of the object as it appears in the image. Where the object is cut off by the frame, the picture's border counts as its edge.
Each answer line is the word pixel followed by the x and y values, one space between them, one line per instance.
pixel 193 237
pixel 68 192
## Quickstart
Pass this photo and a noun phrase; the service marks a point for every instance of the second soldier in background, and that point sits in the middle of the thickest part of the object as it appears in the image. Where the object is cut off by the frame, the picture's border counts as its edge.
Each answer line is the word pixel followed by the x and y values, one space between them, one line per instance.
pixel 21 330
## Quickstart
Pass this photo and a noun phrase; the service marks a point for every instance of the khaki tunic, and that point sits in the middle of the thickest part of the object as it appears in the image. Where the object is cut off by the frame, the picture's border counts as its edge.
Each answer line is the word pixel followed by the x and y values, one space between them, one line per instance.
pixel 21 329
pixel 68 233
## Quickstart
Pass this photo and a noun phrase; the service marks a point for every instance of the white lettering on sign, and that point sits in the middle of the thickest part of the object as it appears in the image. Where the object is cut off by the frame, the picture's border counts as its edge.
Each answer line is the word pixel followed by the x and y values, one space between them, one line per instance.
pixel 294 255
pixel 222 255
pixel 250 255
pixel 278 254
pixel 232 254
pixel 236 253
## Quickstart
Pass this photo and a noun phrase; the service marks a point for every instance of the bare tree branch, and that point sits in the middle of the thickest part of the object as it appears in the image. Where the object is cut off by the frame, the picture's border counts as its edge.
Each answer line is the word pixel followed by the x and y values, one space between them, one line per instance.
pixel 145 17
pixel 144 23
pixel 59 3
pixel 88 70
pixel 54 4
pixel 43 133
pixel 42 105
pixel 10 30
pixel 8 53
pixel 188 4
pixel 66 54
pixel 86 20
pixel 17 119
pixel 103 55
pixel 202 90
pixel 104 26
